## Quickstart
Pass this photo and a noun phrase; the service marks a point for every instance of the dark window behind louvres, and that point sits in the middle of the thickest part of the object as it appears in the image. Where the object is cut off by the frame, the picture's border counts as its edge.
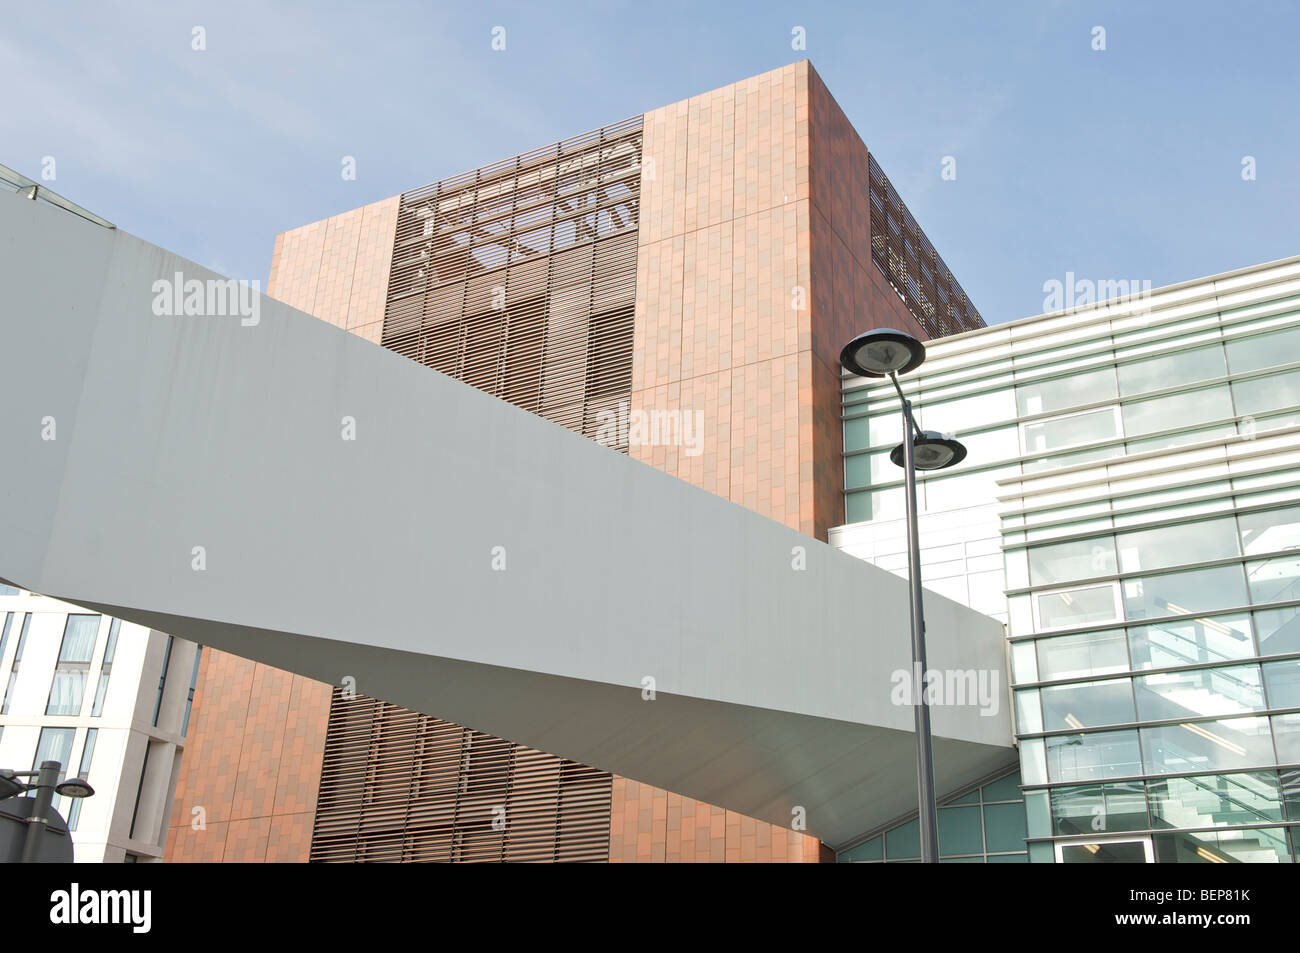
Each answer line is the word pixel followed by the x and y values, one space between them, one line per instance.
pixel 520 278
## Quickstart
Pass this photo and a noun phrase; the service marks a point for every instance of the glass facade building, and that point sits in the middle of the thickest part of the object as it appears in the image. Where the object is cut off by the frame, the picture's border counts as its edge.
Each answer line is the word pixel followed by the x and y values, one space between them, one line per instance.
pixel 1130 506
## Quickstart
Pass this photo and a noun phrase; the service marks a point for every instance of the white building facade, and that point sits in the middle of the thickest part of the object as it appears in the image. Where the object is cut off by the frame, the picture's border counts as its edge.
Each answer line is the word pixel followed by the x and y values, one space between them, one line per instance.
pixel 108 699
pixel 1130 507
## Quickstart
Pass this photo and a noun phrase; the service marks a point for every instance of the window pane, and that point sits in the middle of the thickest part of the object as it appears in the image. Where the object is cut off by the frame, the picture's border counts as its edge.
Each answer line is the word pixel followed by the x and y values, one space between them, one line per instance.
pixel 1274 580
pixel 1060 432
pixel 903 841
pixel 873 849
pixel 856 434
pixel 73 666
pixel 991 446
pixel 1191 641
pixel 960 831
pixel 1263 350
pixel 885 430
pixel 857 471
pixel 886 504
pixel 1062 393
pixel 1092 653
pixel 1263 394
pixel 1215 800
pixel 1286 730
pixel 1262 845
pixel 952 415
pixel 1004 826
pixel 83 771
pixel 1177 545
pixel 1207 746
pixel 54 744
pixel 1076 607
pixel 1283 682
pixel 1038 814
pixel 1003 789
pixel 1033 761
pixel 1087 704
pixel 66 691
pixel 79 638
pixel 1099 808
pixel 1279 631
pixel 1206 691
pixel 1170 370
pixel 857 507
pixel 1196 590
pixel 1092 757
pixel 1290 786
pixel 1269 531
pixel 1029 712
pixel 1066 562
pixel 1177 410
pixel 1023 667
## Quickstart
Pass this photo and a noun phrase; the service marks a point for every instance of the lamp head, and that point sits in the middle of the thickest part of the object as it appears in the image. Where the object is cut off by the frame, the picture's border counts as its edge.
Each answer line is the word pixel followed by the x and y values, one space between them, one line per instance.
pixel 882 352
pixel 931 450
pixel 74 787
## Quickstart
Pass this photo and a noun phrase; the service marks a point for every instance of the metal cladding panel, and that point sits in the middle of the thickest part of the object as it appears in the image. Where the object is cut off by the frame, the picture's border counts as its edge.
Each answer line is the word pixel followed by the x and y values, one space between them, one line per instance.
pixel 900 250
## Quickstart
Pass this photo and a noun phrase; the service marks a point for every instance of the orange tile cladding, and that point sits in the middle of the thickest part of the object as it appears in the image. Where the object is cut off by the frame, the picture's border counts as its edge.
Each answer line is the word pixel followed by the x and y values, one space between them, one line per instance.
pixel 753 270
pixel 252 764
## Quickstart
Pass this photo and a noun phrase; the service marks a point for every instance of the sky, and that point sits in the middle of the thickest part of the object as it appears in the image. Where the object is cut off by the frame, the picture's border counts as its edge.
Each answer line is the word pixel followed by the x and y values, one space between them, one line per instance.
pixel 1170 154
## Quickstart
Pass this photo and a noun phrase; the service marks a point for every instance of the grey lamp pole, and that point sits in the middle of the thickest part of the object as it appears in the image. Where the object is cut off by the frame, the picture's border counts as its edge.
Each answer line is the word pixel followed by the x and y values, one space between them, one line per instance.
pixel 887 353
pixel 929 818
pixel 40 819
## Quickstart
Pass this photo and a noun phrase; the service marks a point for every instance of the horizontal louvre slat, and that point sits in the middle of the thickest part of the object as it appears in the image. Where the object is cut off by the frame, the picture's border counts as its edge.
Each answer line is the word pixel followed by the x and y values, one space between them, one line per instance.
pixel 519 278
pixel 400 786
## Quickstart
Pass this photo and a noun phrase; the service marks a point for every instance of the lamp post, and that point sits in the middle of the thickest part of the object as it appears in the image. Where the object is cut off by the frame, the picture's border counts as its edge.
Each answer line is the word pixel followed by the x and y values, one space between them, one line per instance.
pixel 888 353
pixel 46 786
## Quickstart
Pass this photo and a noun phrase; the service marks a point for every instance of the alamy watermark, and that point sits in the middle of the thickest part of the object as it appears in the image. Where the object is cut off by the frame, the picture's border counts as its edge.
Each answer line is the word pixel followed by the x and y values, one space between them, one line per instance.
pixel 651 428
pixel 950 687
pixel 213 297
pixel 1076 292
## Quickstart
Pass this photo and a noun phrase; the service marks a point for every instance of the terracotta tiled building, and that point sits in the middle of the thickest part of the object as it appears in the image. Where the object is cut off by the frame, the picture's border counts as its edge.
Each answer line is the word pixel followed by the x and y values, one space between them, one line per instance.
pixel 709 258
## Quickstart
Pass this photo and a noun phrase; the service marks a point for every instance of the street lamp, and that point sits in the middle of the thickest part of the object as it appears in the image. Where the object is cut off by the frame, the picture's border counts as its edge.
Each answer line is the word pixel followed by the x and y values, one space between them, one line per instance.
pixel 888 353
pixel 46 786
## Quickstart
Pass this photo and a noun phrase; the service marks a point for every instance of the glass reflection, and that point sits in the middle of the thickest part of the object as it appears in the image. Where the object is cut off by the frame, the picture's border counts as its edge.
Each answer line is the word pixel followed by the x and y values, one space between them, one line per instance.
pixel 1206 691
pixel 1087 704
pixel 1099 808
pixel 1090 653
pixel 1258 846
pixel 1093 757
pixel 1191 641
pixel 1205 746
pixel 1215 800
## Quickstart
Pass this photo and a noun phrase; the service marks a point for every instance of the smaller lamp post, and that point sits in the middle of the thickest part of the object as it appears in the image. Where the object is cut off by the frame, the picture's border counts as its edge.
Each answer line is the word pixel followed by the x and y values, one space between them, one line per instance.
pixel 46 786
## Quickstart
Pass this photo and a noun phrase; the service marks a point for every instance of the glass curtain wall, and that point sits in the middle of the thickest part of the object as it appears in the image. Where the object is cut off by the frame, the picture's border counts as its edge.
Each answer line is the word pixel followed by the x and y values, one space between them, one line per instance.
pixel 1149 476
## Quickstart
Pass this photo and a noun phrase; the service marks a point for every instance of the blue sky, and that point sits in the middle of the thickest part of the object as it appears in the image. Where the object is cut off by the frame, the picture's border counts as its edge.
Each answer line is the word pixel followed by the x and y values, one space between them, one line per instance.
pixel 1117 164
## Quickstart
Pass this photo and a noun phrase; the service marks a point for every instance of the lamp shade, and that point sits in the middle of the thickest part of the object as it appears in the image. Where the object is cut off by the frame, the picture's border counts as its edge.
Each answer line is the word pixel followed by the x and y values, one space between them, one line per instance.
pixel 882 352
pixel 931 450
